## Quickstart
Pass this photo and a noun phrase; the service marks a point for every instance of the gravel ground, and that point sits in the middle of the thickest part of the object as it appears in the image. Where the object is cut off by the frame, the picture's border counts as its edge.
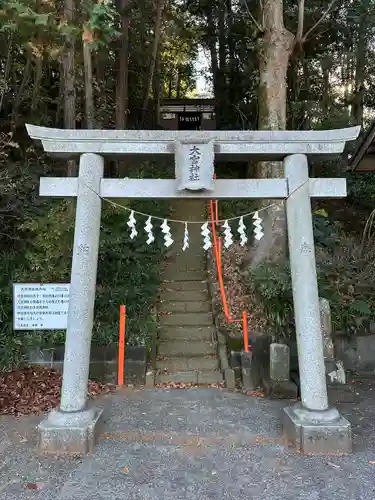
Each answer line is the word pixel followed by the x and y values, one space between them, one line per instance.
pixel 196 444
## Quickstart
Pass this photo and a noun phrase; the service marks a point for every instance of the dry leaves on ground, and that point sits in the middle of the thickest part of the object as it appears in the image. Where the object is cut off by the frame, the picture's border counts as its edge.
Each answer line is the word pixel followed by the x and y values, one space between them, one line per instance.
pixel 238 295
pixel 255 394
pixel 35 390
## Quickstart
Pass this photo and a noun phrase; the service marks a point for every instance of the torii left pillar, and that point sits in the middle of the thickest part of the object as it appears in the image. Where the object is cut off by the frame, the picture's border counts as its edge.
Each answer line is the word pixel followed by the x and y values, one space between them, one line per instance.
pixel 72 427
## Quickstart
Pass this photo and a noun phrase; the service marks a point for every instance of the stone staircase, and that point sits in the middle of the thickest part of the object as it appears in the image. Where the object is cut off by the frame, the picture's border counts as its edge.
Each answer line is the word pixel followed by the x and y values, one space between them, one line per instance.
pixel 187 340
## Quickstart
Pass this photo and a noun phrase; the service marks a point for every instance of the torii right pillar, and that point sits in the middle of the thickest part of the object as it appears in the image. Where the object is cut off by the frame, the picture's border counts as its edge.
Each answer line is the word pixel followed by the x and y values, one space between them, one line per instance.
pixel 311 426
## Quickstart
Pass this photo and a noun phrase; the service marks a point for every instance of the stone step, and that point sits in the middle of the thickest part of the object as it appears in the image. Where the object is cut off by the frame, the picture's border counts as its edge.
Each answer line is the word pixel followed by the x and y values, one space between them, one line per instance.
pixel 174 274
pixel 186 319
pixel 190 377
pixel 183 296
pixel 194 333
pixel 186 348
pixel 192 307
pixel 188 257
pixel 183 263
pixel 199 286
pixel 172 365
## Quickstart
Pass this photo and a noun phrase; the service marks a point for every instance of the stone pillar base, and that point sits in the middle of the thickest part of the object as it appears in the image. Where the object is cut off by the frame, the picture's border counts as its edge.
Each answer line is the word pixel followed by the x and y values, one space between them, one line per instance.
pixel 69 433
pixel 282 389
pixel 317 432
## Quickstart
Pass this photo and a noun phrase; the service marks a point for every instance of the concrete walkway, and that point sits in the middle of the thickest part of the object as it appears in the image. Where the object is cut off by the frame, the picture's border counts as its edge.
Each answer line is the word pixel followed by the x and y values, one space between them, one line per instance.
pixel 196 444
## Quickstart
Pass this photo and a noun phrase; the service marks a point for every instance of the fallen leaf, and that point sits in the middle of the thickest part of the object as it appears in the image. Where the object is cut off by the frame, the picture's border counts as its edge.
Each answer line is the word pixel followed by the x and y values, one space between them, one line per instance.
pixel 125 469
pixel 256 394
pixel 32 391
pixel 31 486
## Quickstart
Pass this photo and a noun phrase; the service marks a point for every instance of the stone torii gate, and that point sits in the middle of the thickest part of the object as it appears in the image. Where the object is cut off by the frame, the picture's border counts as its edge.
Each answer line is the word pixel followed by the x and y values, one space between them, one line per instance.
pixel 311 425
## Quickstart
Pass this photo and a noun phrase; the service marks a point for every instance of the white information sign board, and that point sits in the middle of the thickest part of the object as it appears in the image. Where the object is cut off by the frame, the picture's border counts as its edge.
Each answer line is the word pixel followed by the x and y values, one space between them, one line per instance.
pixel 40 306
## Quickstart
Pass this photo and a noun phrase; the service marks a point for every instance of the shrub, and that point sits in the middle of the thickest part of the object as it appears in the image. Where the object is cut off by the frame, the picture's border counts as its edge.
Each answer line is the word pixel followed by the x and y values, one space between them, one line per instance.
pixel 345 278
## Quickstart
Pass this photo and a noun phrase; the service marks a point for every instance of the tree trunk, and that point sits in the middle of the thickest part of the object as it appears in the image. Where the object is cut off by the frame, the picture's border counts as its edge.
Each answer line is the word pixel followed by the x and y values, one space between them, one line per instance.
pixel 347 70
pixel 212 39
pixel 60 101
pixel 178 85
pixel 122 87
pixel 157 33
pixel 89 94
pixel 222 95
pixel 326 98
pixel 274 50
pixel 122 95
pixel 231 64
pixel 37 82
pixel 306 125
pixel 38 66
pixel 293 88
pixel 157 91
pixel 68 65
pixel 21 91
pixel 8 66
pixel 170 86
pixel 361 54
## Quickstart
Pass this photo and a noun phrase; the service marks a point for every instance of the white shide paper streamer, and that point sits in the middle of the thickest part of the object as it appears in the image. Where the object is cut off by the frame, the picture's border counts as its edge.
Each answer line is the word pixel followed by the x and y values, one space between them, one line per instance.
pixel 131 223
pixel 206 236
pixel 148 229
pixel 257 223
pixel 228 237
pixel 167 233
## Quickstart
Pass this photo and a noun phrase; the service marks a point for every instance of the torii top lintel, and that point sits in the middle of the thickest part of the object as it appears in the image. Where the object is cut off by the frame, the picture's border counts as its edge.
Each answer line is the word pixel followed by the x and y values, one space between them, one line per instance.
pixel 267 145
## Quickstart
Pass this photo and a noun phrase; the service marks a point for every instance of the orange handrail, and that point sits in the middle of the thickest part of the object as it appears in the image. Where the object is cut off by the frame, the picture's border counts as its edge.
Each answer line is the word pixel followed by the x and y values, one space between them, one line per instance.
pixel 214 212
pixel 121 346
pixel 245 331
pixel 217 251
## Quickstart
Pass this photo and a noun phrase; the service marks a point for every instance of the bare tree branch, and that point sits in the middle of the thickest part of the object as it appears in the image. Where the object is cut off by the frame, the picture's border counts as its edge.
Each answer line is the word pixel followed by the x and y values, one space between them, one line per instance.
pixel 325 14
pixel 301 17
pixel 252 17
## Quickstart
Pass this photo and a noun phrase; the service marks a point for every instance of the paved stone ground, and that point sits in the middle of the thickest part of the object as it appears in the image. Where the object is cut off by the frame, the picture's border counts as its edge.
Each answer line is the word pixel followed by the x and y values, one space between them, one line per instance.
pixel 196 444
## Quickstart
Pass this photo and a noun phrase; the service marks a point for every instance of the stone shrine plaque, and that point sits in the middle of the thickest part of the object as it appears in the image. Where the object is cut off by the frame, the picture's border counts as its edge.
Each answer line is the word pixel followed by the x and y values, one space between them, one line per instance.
pixel 40 306
pixel 194 166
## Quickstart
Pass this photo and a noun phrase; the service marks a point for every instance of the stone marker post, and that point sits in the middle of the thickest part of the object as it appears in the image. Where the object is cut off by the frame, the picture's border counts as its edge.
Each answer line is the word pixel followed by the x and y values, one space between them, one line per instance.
pixel 278 384
pixel 311 425
pixel 71 428
pixel 279 362
pixel 326 324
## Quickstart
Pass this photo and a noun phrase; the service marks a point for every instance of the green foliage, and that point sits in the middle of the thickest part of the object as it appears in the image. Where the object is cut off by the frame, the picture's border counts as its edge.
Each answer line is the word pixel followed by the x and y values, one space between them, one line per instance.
pixel 11 343
pixel 344 278
pixel 102 22
pixel 325 231
pixel 36 242
pixel 361 189
pixel 128 271
pixel 272 285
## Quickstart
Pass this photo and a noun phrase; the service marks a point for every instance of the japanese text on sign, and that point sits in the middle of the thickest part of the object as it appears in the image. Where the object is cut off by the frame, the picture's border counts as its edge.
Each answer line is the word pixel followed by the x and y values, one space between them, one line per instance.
pixel 194 157
pixel 40 307
pixel 190 119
